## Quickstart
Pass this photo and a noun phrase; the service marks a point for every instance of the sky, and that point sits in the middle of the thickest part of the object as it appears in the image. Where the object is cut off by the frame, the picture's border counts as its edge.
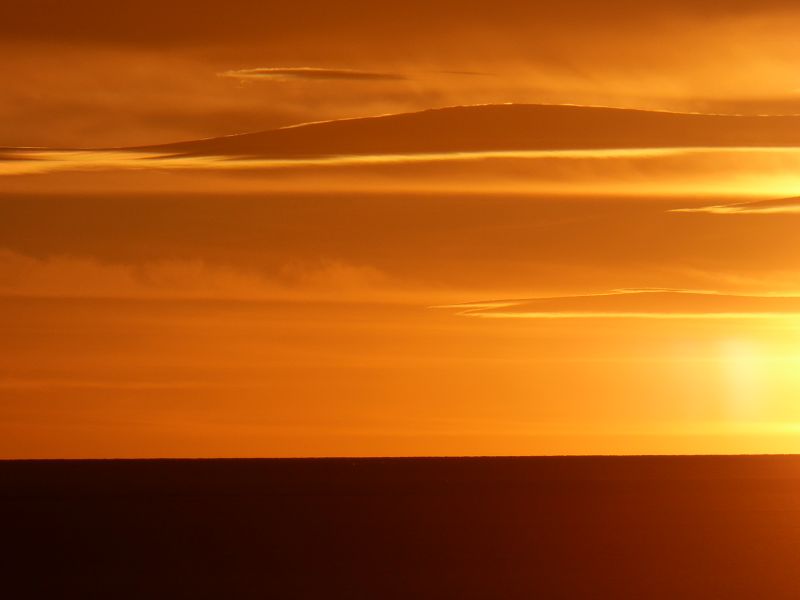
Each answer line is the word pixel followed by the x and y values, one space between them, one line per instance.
pixel 93 73
pixel 398 229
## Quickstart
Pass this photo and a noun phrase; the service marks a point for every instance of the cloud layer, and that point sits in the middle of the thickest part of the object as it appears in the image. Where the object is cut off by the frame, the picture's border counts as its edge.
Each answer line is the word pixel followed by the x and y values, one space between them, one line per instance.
pixel 310 74
pixel 784 206
pixel 647 304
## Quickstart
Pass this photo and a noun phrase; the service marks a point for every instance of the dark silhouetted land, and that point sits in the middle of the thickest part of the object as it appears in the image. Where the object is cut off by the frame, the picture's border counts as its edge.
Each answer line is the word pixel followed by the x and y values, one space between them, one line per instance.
pixel 649 527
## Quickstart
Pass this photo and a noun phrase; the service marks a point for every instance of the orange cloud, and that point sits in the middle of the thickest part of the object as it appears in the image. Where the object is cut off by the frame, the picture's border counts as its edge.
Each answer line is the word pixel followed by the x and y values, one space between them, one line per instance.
pixel 784 206
pixel 647 304
pixel 80 277
pixel 309 74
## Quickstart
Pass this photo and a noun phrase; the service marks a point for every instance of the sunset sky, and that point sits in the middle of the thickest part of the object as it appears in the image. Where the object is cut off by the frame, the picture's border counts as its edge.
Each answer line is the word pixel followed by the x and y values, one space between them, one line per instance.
pixel 399 228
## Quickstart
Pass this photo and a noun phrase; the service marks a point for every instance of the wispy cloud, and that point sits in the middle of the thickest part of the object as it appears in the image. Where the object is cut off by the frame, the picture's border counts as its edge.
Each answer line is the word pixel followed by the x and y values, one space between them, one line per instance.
pixel 785 206
pixel 182 279
pixel 647 304
pixel 310 74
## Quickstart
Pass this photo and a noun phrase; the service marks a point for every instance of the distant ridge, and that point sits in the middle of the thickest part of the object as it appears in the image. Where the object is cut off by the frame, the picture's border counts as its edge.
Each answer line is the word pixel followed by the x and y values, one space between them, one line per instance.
pixel 504 127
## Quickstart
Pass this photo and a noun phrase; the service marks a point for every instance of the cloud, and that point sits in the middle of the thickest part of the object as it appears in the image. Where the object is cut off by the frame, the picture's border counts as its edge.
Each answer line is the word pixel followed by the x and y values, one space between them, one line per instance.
pixel 63 276
pixel 310 74
pixel 466 73
pixel 784 206
pixel 298 159
pixel 647 304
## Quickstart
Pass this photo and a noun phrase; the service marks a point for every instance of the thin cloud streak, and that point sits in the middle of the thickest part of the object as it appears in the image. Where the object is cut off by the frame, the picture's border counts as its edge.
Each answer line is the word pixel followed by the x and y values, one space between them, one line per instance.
pixel 638 304
pixel 788 206
pixel 754 173
pixel 23 161
pixel 309 74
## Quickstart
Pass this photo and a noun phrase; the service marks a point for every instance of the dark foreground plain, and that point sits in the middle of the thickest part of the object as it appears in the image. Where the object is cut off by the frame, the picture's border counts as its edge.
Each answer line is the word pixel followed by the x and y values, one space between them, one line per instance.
pixel 628 527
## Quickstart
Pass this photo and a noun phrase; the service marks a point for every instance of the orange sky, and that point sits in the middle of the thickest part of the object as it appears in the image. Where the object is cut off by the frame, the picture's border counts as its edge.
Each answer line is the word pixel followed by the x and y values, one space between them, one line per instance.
pixel 496 279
